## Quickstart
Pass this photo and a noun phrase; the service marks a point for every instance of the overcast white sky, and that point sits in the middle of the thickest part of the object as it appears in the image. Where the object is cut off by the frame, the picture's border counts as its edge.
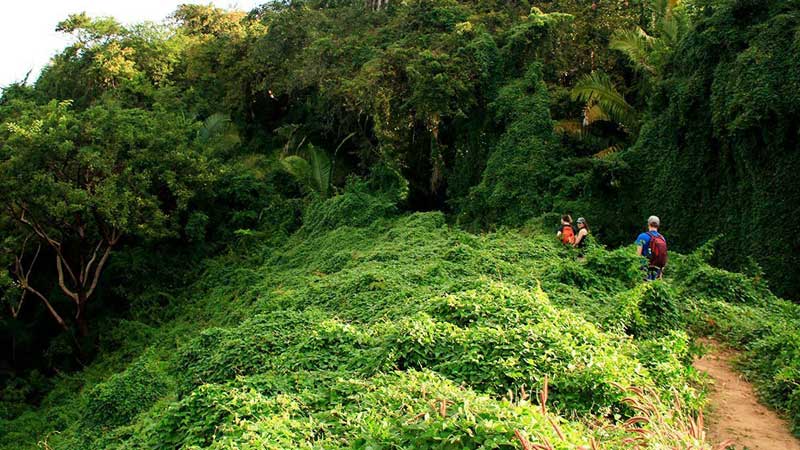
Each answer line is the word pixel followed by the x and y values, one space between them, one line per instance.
pixel 28 39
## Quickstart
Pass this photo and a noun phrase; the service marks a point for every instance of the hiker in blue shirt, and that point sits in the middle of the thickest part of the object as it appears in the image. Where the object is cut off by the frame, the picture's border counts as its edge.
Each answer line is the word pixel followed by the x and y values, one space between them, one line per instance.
pixel 652 246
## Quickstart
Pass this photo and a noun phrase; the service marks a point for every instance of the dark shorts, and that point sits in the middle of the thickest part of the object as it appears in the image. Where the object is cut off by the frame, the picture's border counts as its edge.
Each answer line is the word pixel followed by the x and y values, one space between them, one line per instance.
pixel 653 273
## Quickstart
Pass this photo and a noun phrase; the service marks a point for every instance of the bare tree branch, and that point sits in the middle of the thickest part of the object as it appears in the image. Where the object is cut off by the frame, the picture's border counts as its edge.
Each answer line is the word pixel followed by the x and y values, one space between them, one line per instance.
pixel 89 267
pixel 21 274
pixel 23 278
pixel 61 283
pixel 115 236
pixel 86 269
pixel 15 311
pixel 53 243
pixel 50 308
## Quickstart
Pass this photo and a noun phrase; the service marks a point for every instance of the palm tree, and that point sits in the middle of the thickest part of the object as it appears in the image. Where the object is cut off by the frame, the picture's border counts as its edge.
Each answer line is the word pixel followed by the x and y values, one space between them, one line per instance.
pixel 603 101
pixel 637 45
pixel 218 132
pixel 649 52
pixel 312 171
pixel 315 170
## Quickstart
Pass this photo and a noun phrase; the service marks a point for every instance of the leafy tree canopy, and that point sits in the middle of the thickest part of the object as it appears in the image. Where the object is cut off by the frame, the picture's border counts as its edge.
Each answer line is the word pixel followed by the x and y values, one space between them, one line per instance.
pixel 80 181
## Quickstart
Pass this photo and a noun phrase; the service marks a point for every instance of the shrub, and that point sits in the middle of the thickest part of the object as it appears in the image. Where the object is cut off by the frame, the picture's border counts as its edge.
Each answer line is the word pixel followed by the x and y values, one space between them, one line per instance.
pixel 126 394
pixel 668 359
pixel 305 332
pixel 621 264
pixel 658 309
pixel 281 341
pixel 355 209
pixel 714 283
pixel 335 410
pixel 774 362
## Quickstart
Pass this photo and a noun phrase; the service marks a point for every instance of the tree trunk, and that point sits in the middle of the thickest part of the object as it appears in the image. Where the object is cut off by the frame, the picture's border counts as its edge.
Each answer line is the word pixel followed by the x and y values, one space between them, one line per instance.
pixel 80 316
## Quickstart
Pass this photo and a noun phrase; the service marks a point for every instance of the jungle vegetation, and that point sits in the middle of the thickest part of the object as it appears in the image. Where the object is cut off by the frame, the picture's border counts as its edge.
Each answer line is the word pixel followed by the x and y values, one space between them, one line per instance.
pixel 329 224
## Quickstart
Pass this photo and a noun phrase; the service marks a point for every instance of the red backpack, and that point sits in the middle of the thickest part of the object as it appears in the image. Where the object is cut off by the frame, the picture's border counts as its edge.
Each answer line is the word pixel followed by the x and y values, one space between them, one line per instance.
pixel 567 234
pixel 658 250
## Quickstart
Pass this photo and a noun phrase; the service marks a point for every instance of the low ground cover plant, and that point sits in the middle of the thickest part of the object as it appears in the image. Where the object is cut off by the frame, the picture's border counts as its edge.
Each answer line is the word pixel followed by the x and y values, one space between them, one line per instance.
pixel 403 332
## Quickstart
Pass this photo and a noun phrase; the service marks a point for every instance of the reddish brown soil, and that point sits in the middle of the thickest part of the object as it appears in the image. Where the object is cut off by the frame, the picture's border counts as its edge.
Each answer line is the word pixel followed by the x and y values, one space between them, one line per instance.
pixel 735 412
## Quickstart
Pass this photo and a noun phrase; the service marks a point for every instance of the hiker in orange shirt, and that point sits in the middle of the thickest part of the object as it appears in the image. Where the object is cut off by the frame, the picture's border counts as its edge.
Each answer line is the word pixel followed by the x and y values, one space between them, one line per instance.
pixel 566 232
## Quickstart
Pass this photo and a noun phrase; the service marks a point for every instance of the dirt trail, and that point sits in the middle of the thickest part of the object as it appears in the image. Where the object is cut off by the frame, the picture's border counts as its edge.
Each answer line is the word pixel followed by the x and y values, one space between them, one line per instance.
pixel 736 413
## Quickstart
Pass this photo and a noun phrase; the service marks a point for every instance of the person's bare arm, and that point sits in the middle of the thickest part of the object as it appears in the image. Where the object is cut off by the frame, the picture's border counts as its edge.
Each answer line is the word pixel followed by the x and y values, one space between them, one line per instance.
pixel 639 250
pixel 581 234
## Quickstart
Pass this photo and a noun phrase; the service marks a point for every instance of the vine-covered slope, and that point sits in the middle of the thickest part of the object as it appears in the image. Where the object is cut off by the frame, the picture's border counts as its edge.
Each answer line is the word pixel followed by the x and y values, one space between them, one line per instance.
pixel 377 330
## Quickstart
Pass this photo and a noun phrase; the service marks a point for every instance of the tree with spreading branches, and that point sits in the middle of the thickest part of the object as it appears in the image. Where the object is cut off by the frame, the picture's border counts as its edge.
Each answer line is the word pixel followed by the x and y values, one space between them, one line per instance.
pixel 73 185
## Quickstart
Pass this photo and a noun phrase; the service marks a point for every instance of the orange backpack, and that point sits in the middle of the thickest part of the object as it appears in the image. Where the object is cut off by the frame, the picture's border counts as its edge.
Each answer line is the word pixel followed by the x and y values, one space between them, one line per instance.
pixel 567 234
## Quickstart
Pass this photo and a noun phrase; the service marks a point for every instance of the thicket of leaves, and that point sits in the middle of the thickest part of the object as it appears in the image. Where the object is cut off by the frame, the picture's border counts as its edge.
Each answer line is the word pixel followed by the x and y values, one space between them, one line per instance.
pixel 356 335
pixel 269 290
pixel 719 149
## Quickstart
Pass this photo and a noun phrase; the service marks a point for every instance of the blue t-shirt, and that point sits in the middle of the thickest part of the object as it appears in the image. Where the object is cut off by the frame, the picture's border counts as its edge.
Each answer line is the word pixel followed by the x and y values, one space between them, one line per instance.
pixel 644 241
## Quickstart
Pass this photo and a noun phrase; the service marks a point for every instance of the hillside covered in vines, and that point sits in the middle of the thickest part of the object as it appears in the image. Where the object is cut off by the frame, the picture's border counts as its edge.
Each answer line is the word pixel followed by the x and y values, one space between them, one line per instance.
pixel 330 224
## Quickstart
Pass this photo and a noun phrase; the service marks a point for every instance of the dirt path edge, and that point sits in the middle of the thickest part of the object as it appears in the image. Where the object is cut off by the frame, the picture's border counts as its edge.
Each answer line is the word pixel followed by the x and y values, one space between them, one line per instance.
pixel 734 410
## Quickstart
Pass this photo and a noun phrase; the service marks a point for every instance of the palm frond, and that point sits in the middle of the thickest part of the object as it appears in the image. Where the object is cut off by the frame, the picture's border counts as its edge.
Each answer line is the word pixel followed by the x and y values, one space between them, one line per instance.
pixel 320 164
pixel 597 88
pixel 673 27
pixel 219 126
pixel 661 8
pixel 569 126
pixel 298 168
pixel 288 133
pixel 636 45
pixel 594 113
pixel 312 171
pixel 610 150
pixel 214 123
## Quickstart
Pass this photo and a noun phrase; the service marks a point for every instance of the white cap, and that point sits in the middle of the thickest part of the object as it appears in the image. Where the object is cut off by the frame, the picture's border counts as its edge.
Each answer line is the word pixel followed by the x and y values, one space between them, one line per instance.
pixel 653 220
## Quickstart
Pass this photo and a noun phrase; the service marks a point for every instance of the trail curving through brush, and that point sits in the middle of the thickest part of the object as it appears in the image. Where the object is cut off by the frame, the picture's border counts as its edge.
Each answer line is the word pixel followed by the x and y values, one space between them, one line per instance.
pixel 735 412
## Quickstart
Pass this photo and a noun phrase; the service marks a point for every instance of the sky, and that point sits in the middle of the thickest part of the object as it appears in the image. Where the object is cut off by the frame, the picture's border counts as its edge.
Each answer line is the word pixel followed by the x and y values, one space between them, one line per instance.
pixel 27 27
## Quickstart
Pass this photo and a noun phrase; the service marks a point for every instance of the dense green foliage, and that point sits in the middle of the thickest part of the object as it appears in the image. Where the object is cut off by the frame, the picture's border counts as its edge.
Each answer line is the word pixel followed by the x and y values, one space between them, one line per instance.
pixel 329 224
pixel 722 139
pixel 352 336
pixel 515 179
pixel 78 183
pixel 328 337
